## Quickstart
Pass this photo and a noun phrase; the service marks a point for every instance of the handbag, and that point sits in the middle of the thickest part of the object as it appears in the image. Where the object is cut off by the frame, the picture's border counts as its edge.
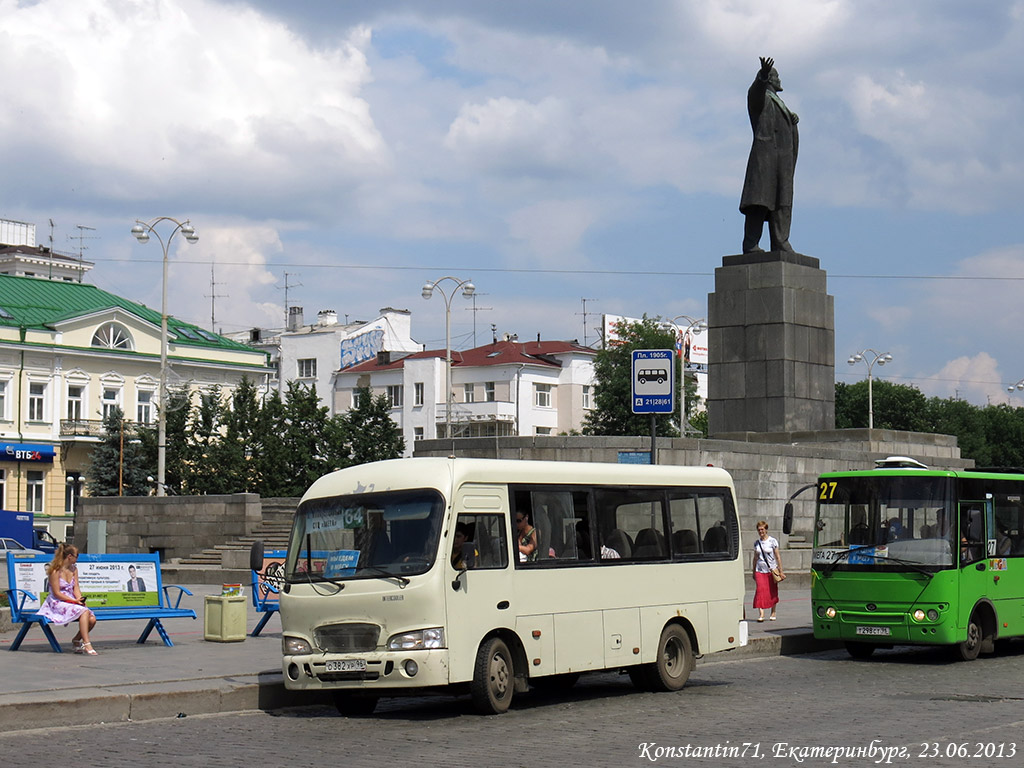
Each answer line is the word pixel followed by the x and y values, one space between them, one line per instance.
pixel 776 573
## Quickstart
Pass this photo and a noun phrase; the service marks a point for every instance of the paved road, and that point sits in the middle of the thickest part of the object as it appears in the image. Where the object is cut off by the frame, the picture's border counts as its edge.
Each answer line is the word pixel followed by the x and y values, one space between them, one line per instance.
pixel 915 700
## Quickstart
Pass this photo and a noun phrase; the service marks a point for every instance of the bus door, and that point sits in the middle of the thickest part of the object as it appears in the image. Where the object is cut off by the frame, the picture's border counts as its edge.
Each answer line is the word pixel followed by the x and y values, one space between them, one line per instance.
pixel 478 579
pixel 976 525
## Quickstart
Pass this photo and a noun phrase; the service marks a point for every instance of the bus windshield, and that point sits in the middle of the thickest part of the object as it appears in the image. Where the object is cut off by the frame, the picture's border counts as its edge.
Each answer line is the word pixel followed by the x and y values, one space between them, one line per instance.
pixel 891 522
pixel 372 535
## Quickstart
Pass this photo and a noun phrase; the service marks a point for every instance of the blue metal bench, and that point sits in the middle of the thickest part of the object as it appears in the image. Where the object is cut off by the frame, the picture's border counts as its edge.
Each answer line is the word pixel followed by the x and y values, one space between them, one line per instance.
pixel 262 591
pixel 25 604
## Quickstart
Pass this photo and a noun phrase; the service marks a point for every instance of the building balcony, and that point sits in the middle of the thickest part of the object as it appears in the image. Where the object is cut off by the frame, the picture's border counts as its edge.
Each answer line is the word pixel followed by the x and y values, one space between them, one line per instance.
pixel 72 429
pixel 495 410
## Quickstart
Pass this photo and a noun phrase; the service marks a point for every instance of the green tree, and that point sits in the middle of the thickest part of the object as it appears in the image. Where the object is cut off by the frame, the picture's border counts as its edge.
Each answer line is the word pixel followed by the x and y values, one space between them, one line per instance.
pixel 202 451
pixel 896 406
pixel 234 454
pixel 367 431
pixel 271 449
pixel 117 465
pixel 612 413
pixel 305 437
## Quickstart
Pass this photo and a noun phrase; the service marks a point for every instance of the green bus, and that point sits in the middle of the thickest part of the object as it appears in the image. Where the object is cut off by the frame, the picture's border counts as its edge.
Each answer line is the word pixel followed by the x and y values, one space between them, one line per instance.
pixel 906 555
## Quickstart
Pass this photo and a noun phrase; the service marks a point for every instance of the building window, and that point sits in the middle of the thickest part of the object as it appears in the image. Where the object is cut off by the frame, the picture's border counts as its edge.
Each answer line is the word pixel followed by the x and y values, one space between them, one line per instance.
pixel 3 483
pixel 112 336
pixel 467 393
pixel 543 430
pixel 75 396
pixel 586 396
pixel 396 395
pixel 3 399
pixel 110 401
pixel 417 433
pixel 489 391
pixel 418 392
pixel 355 398
pixel 36 401
pixel 144 412
pixel 72 491
pixel 34 485
pixel 307 368
pixel 542 395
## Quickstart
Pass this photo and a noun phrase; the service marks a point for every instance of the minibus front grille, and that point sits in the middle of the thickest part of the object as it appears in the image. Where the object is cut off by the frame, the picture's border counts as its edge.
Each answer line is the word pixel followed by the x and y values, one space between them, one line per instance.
pixel 346 638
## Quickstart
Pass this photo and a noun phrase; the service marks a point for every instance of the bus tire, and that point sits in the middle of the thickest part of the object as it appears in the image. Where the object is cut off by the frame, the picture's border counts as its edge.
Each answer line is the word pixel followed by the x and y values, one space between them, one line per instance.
pixel 859 650
pixel 675 660
pixel 354 706
pixel 493 678
pixel 971 646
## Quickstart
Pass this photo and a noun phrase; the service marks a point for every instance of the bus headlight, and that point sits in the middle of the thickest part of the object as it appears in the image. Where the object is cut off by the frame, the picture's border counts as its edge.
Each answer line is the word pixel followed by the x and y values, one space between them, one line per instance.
pixel 294 646
pixel 918 615
pixel 422 639
pixel 830 612
pixel 933 615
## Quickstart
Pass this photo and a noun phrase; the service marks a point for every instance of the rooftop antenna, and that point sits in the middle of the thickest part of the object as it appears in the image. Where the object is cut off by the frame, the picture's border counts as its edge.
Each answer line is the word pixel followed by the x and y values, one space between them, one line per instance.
pixel 474 309
pixel 288 285
pixel 585 313
pixel 52 226
pixel 213 296
pixel 82 247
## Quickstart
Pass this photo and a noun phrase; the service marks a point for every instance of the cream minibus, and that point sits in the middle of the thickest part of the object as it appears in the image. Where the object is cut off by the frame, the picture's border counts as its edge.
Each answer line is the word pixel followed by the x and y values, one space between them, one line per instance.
pixel 411 576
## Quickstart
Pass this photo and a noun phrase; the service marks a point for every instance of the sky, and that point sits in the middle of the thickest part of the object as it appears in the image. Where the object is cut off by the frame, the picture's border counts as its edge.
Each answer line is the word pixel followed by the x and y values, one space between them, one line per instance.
pixel 570 157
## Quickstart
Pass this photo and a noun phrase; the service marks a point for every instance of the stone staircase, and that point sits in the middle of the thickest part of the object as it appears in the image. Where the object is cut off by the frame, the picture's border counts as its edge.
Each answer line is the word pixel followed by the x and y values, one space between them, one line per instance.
pixel 229 562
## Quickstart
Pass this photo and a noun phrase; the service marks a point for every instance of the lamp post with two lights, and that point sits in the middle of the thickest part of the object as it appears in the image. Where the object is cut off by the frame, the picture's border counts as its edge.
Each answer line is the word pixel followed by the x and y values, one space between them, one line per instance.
pixel 870 357
pixel 468 289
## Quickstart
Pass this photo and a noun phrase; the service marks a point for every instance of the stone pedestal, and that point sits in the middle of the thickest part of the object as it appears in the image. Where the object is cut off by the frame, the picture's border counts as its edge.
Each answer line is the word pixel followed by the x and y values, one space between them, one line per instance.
pixel 771 344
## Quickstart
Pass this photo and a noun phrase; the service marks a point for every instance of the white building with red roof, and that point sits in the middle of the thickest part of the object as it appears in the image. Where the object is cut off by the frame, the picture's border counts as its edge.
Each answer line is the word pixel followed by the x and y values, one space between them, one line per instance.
pixel 502 388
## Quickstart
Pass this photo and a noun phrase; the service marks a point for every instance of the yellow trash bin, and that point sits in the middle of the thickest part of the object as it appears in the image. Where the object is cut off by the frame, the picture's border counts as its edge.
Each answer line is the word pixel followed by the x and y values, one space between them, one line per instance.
pixel 224 618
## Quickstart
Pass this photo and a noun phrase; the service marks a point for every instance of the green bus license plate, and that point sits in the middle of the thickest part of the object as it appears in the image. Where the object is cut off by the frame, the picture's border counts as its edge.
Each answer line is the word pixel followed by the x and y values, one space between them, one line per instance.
pixel 348 665
pixel 873 631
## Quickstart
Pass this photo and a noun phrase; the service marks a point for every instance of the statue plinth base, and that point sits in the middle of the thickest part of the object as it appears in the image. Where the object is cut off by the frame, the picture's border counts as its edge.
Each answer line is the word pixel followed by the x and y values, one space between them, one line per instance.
pixel 771 345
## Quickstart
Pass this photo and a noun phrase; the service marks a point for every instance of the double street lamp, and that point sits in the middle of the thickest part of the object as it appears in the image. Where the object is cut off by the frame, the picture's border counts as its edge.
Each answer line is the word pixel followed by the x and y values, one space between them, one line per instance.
pixel 870 357
pixel 142 230
pixel 468 289
pixel 696 327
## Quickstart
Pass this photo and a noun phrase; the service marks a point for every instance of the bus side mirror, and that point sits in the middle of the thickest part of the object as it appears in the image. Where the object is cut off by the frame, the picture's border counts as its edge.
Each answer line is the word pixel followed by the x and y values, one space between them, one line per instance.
pixel 256 556
pixel 787 518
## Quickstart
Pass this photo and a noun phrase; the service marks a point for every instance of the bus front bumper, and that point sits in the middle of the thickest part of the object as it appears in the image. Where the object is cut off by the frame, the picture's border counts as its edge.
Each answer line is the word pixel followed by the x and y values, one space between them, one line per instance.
pixel 883 629
pixel 389 670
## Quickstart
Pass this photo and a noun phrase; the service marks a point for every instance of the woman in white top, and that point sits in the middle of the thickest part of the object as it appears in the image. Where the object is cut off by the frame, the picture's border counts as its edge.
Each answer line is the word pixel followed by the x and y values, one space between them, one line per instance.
pixel 766 557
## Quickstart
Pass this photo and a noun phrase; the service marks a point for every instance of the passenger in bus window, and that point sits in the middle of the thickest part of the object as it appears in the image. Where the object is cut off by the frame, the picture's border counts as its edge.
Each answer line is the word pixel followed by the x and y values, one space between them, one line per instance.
pixel 460 550
pixel 766 559
pixel 526 534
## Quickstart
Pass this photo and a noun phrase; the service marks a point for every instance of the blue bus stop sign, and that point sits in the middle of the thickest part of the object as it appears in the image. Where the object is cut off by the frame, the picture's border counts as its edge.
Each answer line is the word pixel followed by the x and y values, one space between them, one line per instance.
pixel 653 381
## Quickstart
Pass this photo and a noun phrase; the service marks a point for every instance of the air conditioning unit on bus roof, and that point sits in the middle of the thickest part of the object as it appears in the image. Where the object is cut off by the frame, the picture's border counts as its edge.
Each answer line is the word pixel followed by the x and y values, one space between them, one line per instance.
pixel 899 462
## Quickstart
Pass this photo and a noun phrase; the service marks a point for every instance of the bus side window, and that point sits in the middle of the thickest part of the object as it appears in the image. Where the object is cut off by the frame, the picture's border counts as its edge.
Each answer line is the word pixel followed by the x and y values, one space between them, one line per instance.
pixel 485 541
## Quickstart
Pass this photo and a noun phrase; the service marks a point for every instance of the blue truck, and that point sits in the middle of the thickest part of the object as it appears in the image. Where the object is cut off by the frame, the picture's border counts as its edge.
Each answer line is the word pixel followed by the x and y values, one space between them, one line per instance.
pixel 20 527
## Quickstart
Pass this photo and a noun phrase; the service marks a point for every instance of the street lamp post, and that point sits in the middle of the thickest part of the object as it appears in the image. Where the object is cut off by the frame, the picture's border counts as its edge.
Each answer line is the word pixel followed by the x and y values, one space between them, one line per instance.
pixel 142 230
pixel 697 326
pixel 468 289
pixel 1018 385
pixel 870 357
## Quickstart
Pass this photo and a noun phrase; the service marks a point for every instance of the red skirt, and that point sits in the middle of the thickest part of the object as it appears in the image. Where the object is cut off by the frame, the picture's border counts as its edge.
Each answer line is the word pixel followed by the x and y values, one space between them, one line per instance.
pixel 767 593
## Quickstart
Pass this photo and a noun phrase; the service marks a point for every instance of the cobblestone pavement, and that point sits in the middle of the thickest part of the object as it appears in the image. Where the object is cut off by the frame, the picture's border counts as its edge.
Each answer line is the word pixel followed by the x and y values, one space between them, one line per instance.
pixel 784 711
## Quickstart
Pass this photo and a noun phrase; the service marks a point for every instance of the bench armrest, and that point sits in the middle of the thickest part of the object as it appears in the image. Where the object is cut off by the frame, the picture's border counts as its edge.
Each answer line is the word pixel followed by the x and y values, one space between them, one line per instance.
pixel 17 606
pixel 182 591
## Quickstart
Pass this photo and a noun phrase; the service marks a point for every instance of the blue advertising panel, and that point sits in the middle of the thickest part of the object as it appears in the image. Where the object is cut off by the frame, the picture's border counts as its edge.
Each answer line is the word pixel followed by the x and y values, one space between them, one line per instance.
pixel 653 377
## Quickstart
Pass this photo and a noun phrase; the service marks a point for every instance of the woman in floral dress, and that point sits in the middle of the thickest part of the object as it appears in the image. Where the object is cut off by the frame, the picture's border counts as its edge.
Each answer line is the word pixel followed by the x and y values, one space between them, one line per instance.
pixel 65 603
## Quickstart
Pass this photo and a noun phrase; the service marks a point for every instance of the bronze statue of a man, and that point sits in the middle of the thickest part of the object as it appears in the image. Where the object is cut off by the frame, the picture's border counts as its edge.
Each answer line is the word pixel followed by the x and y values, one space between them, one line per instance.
pixel 768 185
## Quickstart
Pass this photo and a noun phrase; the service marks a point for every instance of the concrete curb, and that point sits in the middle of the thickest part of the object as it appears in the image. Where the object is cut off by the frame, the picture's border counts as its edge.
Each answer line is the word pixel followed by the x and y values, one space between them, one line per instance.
pixel 5 619
pixel 150 701
pixel 263 691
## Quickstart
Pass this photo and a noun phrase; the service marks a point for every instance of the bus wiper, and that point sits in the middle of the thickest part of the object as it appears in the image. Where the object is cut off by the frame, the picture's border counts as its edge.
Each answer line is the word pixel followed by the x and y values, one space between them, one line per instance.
pixel 402 580
pixel 829 567
pixel 907 563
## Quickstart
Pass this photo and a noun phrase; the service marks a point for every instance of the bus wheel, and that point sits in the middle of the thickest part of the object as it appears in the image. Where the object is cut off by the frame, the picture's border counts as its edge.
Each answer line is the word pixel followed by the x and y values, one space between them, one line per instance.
pixel 493 678
pixel 354 706
pixel 675 660
pixel 971 647
pixel 860 650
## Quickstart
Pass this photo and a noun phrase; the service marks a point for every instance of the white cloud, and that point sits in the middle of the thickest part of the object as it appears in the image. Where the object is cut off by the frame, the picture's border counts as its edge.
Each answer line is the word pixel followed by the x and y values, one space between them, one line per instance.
pixel 975 378
pixel 132 100
pixel 552 231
